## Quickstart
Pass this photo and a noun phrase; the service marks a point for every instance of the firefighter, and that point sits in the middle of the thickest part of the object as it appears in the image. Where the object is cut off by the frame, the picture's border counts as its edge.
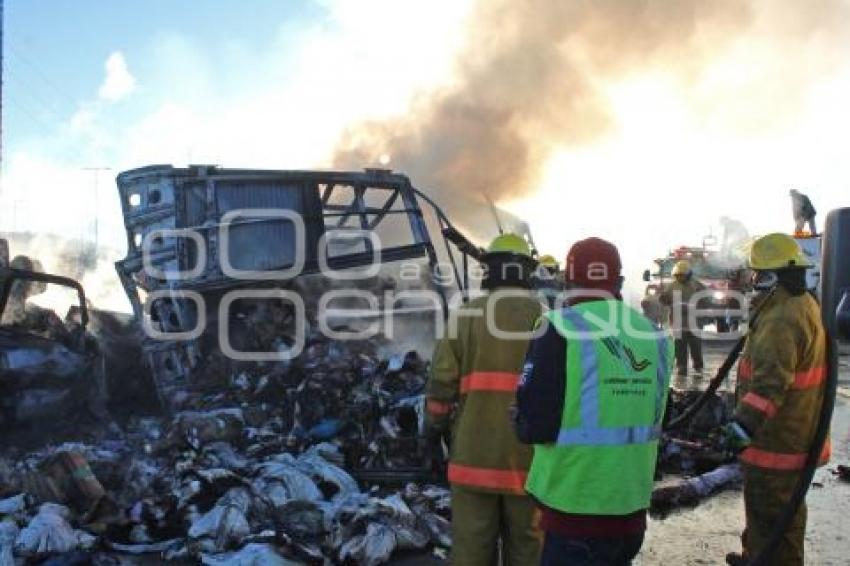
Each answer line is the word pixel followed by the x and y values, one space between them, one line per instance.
pixel 735 234
pixel 680 296
pixel 781 383
pixel 21 291
pixel 804 212
pixel 591 399
pixel 4 253
pixel 548 280
pixel 550 264
pixel 475 371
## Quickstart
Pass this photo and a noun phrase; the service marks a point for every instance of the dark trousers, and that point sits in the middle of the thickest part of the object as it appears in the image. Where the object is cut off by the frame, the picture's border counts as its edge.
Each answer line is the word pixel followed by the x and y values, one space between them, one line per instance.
pixel 559 550
pixel 685 341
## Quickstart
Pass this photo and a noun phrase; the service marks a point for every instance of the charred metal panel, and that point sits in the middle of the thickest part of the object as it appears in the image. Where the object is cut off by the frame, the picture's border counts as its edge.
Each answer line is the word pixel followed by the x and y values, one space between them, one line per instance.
pixel 264 244
pixel 174 218
pixel 166 198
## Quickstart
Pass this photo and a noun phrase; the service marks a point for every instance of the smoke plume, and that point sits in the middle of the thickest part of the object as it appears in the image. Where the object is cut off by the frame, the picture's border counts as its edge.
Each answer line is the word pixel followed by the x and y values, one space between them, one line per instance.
pixel 93 267
pixel 527 82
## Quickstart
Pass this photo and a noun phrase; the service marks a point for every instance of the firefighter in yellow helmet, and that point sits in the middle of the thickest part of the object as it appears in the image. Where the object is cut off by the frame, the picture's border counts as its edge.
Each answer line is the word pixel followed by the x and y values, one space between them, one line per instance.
pixel 474 375
pixel 548 280
pixel 681 296
pixel 781 382
pixel 549 263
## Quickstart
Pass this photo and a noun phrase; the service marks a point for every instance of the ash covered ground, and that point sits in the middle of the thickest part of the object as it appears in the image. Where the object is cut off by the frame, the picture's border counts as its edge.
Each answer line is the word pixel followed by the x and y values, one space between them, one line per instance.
pixel 704 534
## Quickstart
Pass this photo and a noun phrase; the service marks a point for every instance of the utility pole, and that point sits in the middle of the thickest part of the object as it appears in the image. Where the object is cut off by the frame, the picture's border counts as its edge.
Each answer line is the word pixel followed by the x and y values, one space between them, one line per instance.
pixel 1 88
pixel 95 171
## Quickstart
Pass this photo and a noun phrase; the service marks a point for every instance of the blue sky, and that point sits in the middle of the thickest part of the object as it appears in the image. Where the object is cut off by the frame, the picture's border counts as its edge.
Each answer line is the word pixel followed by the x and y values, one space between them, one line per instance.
pixel 261 83
pixel 55 50
pixel 243 84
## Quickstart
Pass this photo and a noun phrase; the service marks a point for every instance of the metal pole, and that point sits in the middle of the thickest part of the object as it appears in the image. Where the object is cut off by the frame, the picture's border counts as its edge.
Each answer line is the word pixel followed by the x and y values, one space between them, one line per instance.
pixel 95 171
pixel 1 88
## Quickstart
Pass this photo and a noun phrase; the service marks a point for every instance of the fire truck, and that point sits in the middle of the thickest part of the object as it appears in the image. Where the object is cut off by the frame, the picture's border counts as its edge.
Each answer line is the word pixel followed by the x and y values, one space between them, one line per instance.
pixel 725 276
pixel 811 246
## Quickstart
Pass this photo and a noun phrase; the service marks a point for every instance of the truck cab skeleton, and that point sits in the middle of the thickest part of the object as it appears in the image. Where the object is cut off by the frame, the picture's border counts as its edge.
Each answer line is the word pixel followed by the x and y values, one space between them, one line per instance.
pixel 198 237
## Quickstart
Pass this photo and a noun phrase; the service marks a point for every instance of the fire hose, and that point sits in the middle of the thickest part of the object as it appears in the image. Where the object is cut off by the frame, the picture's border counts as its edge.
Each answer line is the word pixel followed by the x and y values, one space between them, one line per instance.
pixel 783 523
pixel 808 471
pixel 720 376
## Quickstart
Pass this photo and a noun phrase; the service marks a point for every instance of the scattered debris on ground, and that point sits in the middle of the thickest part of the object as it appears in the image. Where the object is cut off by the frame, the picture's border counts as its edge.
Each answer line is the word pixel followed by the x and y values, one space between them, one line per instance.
pixel 695 447
pixel 690 491
pixel 694 454
pixel 318 459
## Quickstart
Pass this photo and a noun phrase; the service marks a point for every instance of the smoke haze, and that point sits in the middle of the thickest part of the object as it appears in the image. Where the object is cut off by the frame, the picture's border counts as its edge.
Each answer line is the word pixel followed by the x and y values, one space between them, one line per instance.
pixel 528 82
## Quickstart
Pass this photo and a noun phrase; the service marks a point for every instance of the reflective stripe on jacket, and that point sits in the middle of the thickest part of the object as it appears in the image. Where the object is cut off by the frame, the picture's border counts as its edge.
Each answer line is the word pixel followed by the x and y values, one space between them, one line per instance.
pixel 781 381
pixel 474 376
pixel 617 376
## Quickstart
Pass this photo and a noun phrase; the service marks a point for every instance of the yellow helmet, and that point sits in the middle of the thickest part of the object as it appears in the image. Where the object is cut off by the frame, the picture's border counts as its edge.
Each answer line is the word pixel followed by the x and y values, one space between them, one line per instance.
pixel 682 267
pixel 549 261
pixel 509 243
pixel 777 251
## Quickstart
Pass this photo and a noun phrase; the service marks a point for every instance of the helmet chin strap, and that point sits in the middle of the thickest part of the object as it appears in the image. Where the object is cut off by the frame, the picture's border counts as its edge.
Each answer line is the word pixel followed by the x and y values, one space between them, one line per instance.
pixel 765 280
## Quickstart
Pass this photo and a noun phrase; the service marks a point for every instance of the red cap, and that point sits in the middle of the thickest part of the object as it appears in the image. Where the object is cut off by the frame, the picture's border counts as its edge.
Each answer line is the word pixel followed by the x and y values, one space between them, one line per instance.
pixel 594 264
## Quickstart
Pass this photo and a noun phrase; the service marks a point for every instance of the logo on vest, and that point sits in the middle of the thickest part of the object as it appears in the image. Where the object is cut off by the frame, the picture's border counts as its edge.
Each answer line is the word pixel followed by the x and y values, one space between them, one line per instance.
pixel 625 354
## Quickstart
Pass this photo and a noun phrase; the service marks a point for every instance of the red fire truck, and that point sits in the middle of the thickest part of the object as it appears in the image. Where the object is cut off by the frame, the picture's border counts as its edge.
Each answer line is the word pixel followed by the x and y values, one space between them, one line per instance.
pixel 726 277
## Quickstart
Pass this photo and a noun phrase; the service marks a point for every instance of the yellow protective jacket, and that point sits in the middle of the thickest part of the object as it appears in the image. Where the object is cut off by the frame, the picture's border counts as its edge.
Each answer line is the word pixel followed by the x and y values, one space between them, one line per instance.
pixel 781 382
pixel 474 377
pixel 680 298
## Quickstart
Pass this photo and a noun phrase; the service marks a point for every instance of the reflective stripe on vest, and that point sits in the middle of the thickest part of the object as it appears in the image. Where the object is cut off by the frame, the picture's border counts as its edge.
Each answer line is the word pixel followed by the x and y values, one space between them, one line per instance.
pixel 497 381
pixel 511 480
pixel 589 432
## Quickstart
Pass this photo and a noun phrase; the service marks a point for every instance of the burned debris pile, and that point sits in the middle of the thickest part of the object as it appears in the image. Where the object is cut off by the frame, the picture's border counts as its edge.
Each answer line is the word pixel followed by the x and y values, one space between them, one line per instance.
pixel 694 454
pixel 318 459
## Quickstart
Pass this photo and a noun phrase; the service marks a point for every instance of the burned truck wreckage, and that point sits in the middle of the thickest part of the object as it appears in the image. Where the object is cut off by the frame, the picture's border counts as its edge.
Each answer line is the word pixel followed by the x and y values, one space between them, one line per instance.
pixel 235 266
pixel 205 242
pixel 46 364
pixel 288 426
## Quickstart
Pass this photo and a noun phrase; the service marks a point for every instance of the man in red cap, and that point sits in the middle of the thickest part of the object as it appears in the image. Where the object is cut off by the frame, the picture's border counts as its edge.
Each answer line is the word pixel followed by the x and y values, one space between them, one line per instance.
pixel 591 400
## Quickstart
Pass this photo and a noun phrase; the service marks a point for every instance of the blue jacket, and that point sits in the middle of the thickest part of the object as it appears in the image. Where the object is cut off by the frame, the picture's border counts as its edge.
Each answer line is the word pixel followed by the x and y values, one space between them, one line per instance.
pixel 542 389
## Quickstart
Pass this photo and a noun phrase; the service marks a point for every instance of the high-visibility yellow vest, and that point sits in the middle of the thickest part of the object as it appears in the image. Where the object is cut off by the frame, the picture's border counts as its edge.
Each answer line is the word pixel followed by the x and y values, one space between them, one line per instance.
pixel 617 375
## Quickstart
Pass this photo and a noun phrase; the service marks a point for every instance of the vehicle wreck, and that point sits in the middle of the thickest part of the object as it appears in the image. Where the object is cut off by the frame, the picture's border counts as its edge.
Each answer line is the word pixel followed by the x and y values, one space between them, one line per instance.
pixel 49 367
pixel 199 237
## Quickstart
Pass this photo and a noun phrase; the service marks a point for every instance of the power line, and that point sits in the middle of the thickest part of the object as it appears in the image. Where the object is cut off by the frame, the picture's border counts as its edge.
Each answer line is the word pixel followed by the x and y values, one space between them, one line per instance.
pixel 35 119
pixel 33 94
pixel 1 88
pixel 41 74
